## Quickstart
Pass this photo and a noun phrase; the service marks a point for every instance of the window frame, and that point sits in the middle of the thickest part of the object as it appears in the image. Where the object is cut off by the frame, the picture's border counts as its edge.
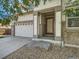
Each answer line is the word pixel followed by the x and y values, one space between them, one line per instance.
pixel 71 17
pixel 67 18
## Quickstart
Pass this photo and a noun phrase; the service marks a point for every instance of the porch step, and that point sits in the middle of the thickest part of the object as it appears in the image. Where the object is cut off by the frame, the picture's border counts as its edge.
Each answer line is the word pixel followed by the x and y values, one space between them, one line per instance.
pixel 49 35
pixel 39 44
pixel 50 41
pixel 46 38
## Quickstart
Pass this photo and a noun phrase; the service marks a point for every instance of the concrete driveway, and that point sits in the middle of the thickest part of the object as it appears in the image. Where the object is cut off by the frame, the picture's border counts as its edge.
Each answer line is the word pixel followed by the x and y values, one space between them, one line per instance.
pixel 9 45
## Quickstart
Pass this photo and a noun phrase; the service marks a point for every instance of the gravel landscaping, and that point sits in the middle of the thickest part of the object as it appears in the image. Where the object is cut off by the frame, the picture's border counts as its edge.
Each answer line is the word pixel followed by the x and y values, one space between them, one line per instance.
pixel 55 52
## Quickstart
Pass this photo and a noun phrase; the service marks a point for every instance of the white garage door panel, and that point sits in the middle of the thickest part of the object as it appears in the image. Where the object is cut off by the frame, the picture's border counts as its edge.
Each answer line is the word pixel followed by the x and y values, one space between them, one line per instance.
pixel 24 30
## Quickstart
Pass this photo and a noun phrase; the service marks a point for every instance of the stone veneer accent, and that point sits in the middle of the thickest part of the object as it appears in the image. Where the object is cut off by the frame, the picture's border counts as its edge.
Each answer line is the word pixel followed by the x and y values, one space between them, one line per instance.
pixel 71 36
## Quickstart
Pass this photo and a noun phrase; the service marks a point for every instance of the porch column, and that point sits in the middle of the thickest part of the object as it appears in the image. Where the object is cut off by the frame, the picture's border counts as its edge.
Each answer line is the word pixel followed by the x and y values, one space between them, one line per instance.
pixel 35 24
pixel 58 25
pixel 40 25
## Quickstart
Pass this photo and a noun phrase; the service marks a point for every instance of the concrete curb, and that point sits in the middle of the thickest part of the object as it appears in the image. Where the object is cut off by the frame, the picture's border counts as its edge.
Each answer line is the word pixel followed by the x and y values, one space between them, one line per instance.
pixel 59 43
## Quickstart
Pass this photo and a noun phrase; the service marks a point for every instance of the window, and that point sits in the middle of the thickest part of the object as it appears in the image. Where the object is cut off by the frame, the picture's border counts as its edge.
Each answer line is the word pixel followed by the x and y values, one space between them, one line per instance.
pixel 73 19
pixel 73 22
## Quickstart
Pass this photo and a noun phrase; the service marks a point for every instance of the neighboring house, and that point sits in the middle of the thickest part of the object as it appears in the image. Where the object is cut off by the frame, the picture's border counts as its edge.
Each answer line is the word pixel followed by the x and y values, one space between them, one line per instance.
pixel 5 30
pixel 46 21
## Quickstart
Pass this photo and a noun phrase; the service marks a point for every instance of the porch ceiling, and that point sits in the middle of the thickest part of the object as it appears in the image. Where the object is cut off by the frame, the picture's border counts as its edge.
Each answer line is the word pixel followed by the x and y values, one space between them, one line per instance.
pixel 48 14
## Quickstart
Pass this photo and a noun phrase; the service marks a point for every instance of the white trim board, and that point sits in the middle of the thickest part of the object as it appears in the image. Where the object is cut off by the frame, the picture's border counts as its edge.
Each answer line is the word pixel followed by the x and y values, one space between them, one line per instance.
pixel 72 45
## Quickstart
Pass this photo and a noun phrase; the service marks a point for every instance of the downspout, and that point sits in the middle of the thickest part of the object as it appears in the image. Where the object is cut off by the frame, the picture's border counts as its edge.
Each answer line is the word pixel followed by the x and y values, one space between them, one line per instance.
pixel 13 22
pixel 33 22
pixel 12 28
pixel 62 35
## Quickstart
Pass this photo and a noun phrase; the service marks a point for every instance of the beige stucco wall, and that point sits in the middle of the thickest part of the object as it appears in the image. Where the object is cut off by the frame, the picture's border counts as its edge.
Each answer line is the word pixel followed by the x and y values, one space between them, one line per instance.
pixel 49 4
pixel 25 17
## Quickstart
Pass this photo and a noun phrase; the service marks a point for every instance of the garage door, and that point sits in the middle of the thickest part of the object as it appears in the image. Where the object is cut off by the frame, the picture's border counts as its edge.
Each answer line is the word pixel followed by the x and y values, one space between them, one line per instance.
pixel 24 28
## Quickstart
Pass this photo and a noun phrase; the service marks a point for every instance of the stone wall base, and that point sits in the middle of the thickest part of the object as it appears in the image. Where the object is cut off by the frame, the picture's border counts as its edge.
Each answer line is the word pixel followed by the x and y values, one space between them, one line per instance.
pixel 35 36
pixel 58 38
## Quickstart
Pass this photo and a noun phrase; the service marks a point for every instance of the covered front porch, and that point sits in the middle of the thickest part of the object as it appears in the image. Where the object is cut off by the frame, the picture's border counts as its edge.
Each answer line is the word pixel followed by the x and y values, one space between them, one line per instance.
pixel 47 24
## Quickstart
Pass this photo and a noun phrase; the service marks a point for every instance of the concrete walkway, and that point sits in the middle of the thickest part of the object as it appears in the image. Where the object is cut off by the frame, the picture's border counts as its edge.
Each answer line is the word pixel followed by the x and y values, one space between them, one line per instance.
pixel 9 45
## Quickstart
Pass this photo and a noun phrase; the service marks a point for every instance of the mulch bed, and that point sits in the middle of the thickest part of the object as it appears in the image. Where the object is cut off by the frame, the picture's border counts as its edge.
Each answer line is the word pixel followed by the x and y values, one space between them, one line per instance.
pixel 40 53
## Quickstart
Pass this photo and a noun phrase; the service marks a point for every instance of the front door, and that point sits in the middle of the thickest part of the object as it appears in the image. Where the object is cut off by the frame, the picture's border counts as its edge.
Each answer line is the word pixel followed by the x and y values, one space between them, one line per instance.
pixel 50 26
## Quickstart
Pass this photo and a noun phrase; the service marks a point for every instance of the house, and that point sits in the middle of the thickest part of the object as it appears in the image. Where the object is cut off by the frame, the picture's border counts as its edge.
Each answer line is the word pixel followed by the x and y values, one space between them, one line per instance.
pixel 47 21
pixel 42 21
pixel 5 30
